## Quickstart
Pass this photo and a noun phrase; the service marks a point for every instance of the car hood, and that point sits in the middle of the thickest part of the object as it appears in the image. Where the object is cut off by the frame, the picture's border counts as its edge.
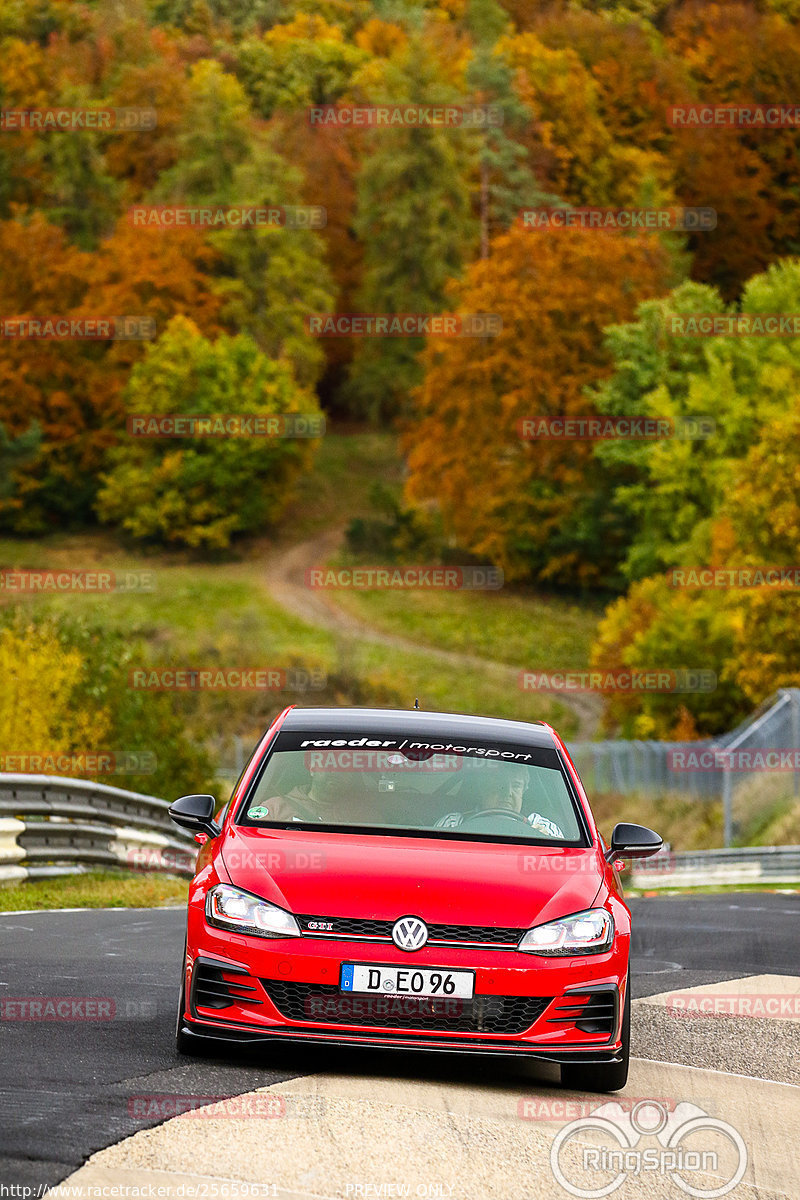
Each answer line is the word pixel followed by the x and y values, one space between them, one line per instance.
pixel 383 878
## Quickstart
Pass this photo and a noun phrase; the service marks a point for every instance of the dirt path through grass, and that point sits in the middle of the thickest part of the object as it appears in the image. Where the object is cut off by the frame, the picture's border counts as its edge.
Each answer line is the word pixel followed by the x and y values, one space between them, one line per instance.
pixel 285 580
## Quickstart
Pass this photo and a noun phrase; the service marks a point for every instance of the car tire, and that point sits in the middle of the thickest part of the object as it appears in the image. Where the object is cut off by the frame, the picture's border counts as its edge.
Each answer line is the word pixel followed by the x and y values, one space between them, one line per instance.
pixel 603 1077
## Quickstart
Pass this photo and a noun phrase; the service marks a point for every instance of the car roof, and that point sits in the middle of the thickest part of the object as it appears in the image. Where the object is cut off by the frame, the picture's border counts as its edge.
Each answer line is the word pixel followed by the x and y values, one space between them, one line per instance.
pixel 407 721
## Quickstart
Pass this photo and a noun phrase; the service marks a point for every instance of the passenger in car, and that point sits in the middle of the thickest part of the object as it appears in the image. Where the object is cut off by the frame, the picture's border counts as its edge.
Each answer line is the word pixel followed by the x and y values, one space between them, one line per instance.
pixel 338 797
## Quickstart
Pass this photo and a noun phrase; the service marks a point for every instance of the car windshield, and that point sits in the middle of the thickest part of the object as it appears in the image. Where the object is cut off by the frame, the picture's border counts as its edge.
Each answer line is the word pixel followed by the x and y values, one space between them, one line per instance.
pixel 376 787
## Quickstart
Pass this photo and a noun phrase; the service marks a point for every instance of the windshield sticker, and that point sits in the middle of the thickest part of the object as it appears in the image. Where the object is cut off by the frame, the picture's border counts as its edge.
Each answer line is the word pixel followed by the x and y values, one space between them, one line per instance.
pixel 413 749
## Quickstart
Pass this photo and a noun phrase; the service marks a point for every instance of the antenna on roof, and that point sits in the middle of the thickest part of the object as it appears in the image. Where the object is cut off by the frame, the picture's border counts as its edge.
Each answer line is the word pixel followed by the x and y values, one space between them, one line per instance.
pixel 416 702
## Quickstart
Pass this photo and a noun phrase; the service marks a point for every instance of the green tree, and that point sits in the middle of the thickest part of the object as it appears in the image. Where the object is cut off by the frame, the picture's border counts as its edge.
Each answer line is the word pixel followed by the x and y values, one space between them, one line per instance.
pixel 668 493
pixel 270 278
pixel 414 219
pixel 506 182
pixel 294 66
pixel 14 450
pixel 203 491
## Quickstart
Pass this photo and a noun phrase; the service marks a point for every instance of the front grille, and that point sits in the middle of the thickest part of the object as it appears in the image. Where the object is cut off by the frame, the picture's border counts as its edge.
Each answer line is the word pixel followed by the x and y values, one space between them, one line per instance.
pixel 356 929
pixel 509 1015
pixel 591 1012
pixel 210 988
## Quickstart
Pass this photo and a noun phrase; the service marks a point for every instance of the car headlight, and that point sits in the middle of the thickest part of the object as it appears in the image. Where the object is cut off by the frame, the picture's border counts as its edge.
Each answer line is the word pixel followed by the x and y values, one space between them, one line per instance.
pixel 230 908
pixel 588 932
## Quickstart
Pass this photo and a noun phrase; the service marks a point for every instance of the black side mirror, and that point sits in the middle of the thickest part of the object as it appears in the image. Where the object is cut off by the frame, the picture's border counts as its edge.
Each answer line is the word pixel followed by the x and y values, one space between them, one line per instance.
pixel 633 841
pixel 195 813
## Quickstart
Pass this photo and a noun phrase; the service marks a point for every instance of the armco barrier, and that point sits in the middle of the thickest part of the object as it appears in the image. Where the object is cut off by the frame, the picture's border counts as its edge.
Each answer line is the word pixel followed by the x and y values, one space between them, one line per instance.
pixel 707 868
pixel 51 826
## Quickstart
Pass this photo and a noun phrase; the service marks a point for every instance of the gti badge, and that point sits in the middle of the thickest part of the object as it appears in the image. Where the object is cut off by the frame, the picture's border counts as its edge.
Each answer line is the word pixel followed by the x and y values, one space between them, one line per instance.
pixel 409 933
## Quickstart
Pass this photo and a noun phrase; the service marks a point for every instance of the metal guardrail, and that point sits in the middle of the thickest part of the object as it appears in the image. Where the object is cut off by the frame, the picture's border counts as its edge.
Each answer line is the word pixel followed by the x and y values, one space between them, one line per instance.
pixel 705 868
pixel 51 826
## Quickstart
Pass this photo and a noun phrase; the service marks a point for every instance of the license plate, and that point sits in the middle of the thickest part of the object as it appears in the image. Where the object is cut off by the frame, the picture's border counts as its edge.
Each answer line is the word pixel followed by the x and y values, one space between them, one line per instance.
pixel 368 980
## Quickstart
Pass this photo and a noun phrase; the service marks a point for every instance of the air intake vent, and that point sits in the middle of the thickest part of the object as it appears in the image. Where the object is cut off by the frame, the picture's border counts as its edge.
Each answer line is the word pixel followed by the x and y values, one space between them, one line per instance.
pixel 591 1012
pixel 324 1003
pixel 217 986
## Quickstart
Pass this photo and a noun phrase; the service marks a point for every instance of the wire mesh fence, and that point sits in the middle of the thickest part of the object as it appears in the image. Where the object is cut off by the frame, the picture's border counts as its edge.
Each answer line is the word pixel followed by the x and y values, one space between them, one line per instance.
pixel 753 768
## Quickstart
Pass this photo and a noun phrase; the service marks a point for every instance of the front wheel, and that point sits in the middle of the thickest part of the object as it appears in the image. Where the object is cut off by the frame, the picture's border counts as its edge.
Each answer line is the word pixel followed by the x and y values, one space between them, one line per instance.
pixel 603 1077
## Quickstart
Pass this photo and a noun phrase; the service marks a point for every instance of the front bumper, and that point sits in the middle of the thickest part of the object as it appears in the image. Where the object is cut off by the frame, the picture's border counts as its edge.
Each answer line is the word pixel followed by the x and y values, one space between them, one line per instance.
pixel 236 988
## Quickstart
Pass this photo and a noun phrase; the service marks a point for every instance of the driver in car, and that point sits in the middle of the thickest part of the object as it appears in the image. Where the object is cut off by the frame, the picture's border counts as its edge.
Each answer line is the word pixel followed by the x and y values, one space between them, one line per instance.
pixel 501 788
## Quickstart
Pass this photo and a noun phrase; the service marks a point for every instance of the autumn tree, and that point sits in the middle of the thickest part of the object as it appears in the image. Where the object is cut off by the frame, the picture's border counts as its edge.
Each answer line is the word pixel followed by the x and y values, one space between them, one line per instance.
pixel 72 387
pixel 537 508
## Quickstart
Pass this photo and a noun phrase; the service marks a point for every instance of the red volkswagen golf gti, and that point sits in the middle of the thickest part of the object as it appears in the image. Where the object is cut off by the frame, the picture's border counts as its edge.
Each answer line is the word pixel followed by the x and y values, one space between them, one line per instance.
pixel 411 880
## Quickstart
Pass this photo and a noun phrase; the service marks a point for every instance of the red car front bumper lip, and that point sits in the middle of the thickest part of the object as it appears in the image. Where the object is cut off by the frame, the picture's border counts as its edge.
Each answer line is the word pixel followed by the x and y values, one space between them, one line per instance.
pixel 230 1033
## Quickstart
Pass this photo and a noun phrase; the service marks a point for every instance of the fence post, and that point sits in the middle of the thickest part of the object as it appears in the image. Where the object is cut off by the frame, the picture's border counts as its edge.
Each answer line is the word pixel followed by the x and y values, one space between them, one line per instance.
pixel 727 803
pixel 795 737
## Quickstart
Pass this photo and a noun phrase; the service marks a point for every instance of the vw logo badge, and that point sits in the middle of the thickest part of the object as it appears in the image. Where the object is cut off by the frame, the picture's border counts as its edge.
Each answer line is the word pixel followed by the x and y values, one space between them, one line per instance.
pixel 409 933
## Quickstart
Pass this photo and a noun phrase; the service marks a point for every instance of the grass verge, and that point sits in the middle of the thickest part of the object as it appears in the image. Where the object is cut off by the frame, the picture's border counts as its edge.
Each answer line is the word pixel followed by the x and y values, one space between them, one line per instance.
pixel 95 889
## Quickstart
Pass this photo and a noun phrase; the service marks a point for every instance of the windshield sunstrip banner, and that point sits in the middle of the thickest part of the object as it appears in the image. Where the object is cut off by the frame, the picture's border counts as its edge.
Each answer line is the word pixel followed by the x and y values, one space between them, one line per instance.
pixel 417 747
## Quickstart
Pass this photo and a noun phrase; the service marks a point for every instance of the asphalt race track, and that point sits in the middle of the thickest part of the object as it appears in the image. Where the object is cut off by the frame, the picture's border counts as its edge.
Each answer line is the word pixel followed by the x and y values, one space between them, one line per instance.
pixel 67 1086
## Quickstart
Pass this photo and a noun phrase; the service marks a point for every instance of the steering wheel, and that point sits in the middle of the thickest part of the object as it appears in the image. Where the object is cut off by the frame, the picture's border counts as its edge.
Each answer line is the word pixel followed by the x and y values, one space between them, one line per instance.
pixel 508 813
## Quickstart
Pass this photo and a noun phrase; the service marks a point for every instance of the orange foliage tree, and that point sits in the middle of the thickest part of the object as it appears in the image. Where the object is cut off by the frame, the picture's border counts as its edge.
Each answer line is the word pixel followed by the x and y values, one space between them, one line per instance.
pixel 71 388
pixel 536 508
